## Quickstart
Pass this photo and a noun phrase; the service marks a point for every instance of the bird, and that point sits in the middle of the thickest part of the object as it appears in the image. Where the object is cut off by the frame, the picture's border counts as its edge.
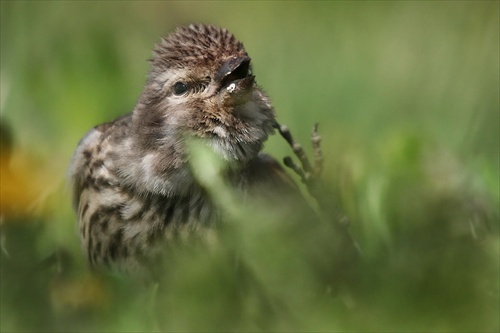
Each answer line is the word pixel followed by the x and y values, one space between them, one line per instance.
pixel 132 185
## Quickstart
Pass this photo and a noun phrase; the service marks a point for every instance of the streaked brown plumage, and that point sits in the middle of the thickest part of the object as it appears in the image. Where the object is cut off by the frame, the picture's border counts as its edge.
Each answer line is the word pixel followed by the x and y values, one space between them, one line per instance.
pixel 132 185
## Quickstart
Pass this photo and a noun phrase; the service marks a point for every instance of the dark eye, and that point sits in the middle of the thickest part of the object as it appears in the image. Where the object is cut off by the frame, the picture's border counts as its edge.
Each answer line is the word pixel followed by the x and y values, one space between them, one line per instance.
pixel 180 88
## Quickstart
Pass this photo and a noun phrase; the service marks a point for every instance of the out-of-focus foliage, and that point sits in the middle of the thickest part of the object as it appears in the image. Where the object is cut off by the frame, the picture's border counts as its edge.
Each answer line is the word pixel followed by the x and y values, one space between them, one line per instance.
pixel 407 97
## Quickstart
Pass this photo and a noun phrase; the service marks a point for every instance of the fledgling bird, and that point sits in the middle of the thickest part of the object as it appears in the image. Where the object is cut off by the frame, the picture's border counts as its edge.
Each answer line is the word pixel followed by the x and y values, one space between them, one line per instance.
pixel 132 185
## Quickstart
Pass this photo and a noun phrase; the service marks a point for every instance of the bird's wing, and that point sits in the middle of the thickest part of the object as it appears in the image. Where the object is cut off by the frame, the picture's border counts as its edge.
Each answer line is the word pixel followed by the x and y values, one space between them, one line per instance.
pixel 95 184
pixel 87 166
pixel 80 169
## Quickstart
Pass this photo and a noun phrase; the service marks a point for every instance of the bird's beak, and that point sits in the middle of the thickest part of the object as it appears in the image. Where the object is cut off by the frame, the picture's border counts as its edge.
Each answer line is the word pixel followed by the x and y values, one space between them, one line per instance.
pixel 237 71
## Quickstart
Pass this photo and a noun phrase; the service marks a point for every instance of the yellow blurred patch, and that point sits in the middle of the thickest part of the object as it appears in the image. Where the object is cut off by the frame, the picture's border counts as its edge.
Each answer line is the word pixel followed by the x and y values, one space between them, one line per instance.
pixel 23 186
pixel 78 294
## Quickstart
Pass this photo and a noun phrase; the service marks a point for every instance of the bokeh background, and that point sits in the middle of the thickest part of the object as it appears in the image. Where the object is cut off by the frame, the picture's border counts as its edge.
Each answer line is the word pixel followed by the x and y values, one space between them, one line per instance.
pixel 407 98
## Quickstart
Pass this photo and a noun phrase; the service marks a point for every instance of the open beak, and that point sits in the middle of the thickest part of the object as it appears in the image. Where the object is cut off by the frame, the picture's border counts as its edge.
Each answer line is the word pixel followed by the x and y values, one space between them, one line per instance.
pixel 235 75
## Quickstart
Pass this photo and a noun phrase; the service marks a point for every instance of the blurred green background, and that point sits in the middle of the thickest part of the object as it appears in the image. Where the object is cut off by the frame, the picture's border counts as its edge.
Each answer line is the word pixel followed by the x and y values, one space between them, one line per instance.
pixel 407 98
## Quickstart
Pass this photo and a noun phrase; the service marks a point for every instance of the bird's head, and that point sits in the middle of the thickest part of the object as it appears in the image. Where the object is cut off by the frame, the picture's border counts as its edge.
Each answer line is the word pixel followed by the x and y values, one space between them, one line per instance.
pixel 201 85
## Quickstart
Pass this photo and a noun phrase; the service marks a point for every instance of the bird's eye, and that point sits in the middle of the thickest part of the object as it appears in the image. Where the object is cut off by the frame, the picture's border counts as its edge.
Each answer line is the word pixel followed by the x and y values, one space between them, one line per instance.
pixel 180 88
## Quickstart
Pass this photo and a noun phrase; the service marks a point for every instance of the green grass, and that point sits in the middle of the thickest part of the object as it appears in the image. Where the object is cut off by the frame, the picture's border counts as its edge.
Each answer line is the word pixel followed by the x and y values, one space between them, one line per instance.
pixel 407 98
